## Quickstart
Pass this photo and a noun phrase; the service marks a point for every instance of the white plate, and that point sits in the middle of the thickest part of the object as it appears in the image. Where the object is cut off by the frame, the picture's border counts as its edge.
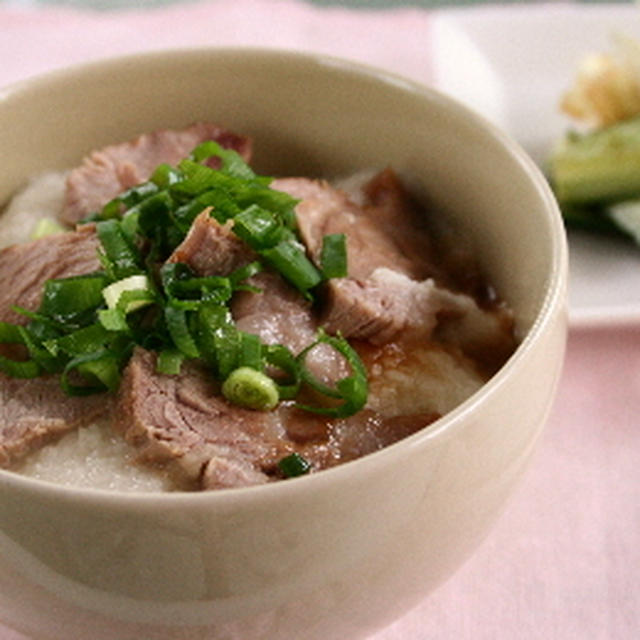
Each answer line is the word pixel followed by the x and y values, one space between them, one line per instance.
pixel 512 64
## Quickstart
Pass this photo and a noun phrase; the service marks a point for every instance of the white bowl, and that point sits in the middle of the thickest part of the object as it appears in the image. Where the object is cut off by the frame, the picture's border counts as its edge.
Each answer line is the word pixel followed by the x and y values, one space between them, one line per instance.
pixel 343 552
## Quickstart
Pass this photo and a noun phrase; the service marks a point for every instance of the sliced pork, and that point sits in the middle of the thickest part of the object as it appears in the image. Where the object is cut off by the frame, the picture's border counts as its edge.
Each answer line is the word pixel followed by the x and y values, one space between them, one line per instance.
pixel 394 286
pixel 107 172
pixel 211 248
pixel 277 312
pixel 377 236
pixel 24 268
pixel 381 307
pixel 36 412
pixel 183 424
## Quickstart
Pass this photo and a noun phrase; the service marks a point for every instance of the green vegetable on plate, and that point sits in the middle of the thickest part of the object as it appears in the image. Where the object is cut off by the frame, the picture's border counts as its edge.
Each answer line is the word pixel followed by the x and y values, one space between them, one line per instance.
pixel 594 170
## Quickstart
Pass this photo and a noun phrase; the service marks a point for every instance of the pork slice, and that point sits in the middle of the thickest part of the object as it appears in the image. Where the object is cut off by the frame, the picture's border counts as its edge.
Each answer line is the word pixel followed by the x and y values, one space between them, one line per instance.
pixel 37 411
pixel 385 232
pixel 389 306
pixel 403 220
pixel 211 248
pixel 385 245
pixel 24 268
pixel 107 172
pixel 277 312
pixel 182 422
pixel 323 210
pixel 395 285
pixel 381 307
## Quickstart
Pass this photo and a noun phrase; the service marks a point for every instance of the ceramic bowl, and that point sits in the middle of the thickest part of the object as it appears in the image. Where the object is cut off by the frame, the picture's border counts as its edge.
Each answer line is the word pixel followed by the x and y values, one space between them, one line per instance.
pixel 346 551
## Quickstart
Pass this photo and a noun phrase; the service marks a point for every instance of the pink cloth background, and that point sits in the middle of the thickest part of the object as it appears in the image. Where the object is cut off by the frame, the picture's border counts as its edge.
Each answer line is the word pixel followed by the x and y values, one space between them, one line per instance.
pixel 564 560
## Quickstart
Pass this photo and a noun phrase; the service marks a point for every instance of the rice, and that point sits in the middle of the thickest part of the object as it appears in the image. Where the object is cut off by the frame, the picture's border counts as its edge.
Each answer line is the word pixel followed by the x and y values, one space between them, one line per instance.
pixel 93 457
pixel 41 198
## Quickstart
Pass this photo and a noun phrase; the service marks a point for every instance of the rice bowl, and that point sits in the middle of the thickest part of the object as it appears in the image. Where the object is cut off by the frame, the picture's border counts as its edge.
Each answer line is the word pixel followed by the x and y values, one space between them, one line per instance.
pixel 338 553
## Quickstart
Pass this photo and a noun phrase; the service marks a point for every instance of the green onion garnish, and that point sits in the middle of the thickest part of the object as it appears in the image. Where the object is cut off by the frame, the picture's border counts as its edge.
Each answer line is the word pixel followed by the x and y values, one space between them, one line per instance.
pixel 11 334
pixel 87 326
pixel 294 465
pixel 170 361
pixel 290 260
pixel 333 256
pixel 352 390
pixel 250 388
pixel 68 300
pixel 128 294
pixel 120 258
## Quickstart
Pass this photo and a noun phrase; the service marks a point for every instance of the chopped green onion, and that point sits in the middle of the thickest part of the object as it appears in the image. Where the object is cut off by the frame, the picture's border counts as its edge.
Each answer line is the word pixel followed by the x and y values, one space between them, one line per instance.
pixel 10 334
pixel 278 202
pixel 258 227
pixel 226 339
pixel 232 162
pixel 244 273
pixel 137 193
pixel 179 283
pixel 47 227
pixel 170 362
pixel 198 179
pixel 132 284
pixel 333 257
pixel 154 212
pixel 210 317
pixel 113 320
pixel 250 388
pixel 38 352
pixel 281 358
pixel 178 327
pixel 250 351
pixel 125 200
pixel 294 465
pixel 19 368
pixel 100 367
pixel 291 261
pixel 13 334
pixel 120 258
pixel 134 300
pixel 86 340
pixel 67 299
pixel 165 176
pixel 353 389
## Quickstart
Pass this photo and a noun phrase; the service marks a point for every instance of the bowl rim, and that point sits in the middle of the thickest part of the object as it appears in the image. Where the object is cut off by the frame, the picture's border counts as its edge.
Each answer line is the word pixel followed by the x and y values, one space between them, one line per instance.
pixel 553 304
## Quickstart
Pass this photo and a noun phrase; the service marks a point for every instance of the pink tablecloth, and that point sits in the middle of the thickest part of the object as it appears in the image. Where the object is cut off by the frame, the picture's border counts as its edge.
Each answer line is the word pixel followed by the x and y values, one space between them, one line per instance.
pixel 564 561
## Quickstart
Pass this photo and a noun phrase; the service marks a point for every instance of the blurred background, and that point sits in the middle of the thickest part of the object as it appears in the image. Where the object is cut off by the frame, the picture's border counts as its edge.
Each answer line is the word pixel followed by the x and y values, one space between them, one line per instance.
pixel 359 4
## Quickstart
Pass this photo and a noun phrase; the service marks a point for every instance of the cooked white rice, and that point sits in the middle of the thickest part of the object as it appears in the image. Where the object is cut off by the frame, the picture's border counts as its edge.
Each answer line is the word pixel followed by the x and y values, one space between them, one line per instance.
pixel 93 457
pixel 41 198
